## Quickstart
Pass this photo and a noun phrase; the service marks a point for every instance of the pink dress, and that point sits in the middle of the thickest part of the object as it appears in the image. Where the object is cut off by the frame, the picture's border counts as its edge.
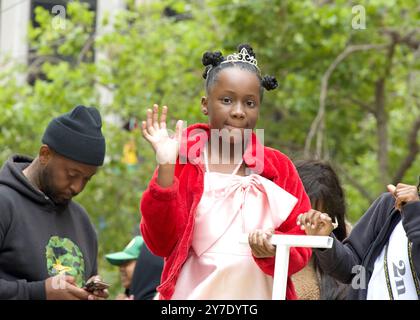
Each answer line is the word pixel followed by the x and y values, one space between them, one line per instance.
pixel 218 265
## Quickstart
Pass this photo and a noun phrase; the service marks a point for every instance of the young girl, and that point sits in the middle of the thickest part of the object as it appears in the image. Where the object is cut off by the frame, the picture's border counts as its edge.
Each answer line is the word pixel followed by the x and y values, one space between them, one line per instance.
pixel 203 198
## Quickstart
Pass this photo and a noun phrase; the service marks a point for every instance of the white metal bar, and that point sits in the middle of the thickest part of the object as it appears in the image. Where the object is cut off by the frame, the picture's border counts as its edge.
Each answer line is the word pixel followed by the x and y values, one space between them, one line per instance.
pixel 302 241
pixel 280 277
pixel 281 267
pixel 296 240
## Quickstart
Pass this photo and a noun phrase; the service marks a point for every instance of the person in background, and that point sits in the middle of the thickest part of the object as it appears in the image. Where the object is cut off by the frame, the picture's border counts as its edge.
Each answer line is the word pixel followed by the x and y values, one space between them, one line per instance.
pixel 147 274
pixel 324 190
pixel 381 255
pixel 126 261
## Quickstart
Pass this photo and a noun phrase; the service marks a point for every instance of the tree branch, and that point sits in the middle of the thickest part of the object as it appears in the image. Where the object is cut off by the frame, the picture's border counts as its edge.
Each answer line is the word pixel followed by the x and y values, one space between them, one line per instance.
pixel 88 45
pixel 355 183
pixel 381 114
pixel 324 89
pixel 381 130
pixel 414 149
pixel 364 105
pixel 408 39
pixel 34 66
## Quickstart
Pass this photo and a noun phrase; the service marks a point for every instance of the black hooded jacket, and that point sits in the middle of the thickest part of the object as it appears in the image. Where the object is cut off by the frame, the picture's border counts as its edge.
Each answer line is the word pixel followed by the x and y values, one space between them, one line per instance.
pixel 39 239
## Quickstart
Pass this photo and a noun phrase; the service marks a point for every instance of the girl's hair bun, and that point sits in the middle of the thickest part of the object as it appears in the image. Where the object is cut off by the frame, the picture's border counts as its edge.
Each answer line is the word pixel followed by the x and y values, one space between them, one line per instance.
pixel 248 49
pixel 211 59
pixel 269 82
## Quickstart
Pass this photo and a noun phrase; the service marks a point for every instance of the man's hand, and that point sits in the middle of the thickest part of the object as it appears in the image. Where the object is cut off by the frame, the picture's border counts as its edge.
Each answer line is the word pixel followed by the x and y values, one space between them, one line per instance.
pixel 403 193
pixel 260 244
pixel 97 294
pixel 315 223
pixel 62 287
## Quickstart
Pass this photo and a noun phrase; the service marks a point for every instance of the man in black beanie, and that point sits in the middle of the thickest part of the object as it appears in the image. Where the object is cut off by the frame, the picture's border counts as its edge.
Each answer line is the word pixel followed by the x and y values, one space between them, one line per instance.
pixel 48 246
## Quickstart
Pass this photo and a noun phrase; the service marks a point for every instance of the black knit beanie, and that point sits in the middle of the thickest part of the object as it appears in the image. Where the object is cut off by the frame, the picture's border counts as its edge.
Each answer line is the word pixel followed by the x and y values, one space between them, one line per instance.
pixel 77 135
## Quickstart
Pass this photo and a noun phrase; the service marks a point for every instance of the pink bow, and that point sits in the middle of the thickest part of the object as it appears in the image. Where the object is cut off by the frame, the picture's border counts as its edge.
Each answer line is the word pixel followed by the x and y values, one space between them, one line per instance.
pixel 261 203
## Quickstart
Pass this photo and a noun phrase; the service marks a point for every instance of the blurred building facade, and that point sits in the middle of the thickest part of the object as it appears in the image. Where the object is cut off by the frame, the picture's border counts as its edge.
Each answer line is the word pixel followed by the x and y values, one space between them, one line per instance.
pixel 16 15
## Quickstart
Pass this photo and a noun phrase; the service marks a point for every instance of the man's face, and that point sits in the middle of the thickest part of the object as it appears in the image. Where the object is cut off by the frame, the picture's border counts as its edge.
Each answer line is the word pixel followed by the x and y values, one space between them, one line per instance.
pixel 126 272
pixel 61 179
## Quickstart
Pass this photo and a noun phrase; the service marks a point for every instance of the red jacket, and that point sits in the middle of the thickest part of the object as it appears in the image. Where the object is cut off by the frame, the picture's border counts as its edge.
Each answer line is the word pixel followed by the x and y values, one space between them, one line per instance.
pixel 168 213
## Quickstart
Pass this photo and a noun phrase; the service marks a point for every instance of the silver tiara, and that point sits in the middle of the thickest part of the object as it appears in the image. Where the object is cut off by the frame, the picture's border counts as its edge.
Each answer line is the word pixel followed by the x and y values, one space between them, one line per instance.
pixel 242 56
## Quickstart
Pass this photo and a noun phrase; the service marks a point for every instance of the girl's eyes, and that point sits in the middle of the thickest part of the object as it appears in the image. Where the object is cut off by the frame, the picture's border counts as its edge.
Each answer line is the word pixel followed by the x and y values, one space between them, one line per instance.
pixel 226 100
pixel 250 103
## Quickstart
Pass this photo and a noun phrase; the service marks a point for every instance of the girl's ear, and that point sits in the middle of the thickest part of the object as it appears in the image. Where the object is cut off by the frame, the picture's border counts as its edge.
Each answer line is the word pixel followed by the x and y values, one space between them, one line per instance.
pixel 204 104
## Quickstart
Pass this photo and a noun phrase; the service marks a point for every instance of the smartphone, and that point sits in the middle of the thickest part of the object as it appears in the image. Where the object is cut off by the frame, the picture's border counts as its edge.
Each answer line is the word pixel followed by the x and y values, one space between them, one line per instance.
pixel 94 284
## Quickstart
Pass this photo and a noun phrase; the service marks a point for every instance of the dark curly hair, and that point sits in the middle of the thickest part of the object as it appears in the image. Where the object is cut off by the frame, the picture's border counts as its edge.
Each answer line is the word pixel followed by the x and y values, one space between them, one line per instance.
pixel 323 188
pixel 213 63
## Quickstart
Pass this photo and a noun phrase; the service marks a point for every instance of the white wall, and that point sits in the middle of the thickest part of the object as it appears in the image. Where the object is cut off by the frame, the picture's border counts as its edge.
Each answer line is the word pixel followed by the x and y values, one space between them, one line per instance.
pixel 14 22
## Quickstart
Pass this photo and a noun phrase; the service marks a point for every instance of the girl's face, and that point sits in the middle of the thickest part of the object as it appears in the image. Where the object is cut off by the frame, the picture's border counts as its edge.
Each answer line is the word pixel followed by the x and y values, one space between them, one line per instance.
pixel 233 102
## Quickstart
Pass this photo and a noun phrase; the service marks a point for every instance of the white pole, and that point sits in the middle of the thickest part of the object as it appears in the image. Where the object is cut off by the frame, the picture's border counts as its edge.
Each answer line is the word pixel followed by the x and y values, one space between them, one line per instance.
pixel 280 277
pixel 283 244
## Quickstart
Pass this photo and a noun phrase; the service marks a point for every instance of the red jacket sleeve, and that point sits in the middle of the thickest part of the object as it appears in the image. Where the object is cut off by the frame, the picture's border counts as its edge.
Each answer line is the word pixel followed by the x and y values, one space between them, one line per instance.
pixel 161 216
pixel 299 257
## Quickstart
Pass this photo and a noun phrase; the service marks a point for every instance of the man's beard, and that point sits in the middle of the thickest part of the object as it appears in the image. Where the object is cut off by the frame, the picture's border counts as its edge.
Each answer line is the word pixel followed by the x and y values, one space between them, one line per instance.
pixel 46 181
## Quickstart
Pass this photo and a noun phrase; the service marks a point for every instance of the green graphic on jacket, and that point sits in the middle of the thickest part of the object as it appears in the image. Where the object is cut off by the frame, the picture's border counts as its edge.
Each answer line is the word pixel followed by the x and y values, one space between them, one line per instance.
pixel 64 257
